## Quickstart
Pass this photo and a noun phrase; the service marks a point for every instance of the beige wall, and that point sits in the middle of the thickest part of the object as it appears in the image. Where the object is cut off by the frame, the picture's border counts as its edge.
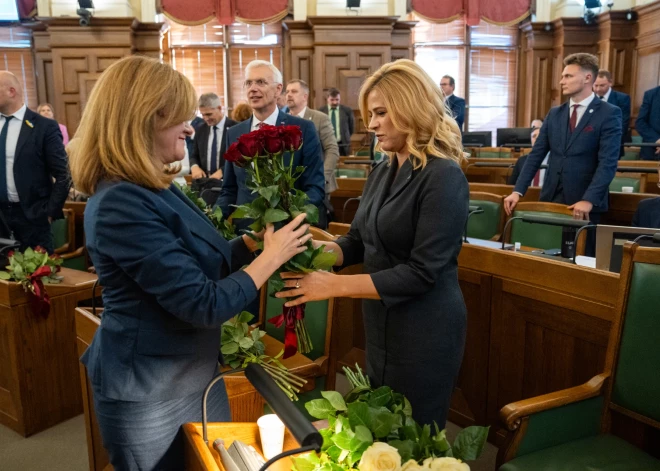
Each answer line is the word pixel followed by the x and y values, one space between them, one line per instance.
pixel 304 8
pixel 143 10
pixel 549 10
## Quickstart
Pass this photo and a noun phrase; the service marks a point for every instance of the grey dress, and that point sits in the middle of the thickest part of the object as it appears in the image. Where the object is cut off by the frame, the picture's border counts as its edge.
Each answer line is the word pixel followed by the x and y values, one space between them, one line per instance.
pixel 407 232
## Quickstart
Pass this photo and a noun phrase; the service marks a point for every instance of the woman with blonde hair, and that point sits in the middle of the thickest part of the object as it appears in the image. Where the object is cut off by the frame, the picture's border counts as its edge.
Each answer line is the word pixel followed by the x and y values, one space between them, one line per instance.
pixel 169 279
pixel 407 233
pixel 46 110
pixel 242 111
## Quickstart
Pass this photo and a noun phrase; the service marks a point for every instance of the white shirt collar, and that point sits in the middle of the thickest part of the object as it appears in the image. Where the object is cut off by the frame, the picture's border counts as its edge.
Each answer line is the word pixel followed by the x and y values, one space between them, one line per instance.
pixel 302 113
pixel 221 124
pixel 20 114
pixel 607 95
pixel 272 119
pixel 447 96
pixel 586 102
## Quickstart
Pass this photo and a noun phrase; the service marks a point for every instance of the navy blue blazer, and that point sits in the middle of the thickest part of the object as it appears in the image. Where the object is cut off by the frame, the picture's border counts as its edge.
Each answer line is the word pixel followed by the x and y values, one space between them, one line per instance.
pixel 584 161
pixel 312 181
pixel 648 213
pixel 169 282
pixel 648 123
pixel 39 159
pixel 457 106
pixel 623 102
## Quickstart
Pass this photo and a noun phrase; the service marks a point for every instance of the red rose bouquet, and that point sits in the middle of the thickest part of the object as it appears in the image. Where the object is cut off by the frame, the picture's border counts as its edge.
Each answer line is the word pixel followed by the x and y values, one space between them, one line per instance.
pixel 267 156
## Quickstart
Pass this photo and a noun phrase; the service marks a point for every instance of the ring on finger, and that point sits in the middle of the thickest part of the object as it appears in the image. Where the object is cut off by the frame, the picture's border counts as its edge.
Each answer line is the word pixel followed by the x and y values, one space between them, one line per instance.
pixel 297 284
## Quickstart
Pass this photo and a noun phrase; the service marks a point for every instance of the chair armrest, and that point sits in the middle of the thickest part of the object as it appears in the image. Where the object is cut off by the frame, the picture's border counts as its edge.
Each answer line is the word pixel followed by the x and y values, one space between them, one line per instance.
pixel 511 414
pixel 76 253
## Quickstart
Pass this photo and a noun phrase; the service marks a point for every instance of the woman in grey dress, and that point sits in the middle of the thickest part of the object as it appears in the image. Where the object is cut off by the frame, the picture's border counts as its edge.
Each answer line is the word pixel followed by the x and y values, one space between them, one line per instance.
pixel 407 233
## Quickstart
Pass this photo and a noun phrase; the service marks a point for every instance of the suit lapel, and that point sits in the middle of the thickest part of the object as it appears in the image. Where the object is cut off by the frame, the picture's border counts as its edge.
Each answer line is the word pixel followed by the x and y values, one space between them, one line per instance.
pixel 24 135
pixel 586 117
pixel 564 132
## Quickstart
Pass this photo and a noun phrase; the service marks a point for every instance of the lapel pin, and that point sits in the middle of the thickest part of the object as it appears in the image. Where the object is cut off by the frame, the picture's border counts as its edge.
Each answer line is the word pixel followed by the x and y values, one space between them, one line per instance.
pixel 591 111
pixel 29 123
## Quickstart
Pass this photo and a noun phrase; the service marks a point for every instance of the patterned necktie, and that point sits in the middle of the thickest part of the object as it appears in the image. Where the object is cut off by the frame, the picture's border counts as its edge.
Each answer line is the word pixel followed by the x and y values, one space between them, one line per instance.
pixel 214 152
pixel 3 160
pixel 573 122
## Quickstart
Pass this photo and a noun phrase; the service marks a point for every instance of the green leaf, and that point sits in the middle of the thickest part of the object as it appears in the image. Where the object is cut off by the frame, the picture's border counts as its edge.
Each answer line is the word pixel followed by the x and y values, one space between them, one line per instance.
pixel 343 440
pixel 440 442
pixel 362 439
pixel 320 408
pixel 470 442
pixel 275 215
pixel 4 275
pixel 405 448
pixel 382 421
pixel 343 456
pixel 270 194
pixel 228 348
pixel 327 434
pixel 334 452
pixel 302 463
pixel 324 261
pixel 242 211
pixel 358 414
pixel 246 343
pixel 380 397
pixel 335 399
pixel 312 213
pixel 407 408
pixel 244 317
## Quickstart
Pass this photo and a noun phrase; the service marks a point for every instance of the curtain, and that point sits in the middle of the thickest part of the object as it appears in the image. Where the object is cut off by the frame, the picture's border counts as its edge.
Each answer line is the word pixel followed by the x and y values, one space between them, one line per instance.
pixel 496 12
pixel 27 8
pixel 195 12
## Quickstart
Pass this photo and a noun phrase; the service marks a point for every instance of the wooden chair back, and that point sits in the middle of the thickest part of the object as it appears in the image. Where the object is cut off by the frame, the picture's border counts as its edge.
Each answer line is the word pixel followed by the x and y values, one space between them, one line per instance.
pixel 489 224
pixel 338 228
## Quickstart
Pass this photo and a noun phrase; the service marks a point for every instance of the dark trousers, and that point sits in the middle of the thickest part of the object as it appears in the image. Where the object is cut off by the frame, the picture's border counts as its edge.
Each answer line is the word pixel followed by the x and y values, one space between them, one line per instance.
pixel 344 149
pixel 28 233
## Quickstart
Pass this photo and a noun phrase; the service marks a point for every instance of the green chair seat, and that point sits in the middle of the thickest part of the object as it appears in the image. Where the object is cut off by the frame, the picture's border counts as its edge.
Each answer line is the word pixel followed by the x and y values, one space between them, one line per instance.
pixel 486 224
pixel 628 155
pixel 619 182
pixel 60 231
pixel 598 453
pixel 540 236
pixel 363 153
pixel 636 139
pixel 487 154
pixel 351 173
pixel 75 263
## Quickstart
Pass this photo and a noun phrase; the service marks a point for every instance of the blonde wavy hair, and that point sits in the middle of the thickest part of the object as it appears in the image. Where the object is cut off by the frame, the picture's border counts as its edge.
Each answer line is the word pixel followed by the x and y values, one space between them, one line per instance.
pixel 415 104
pixel 135 97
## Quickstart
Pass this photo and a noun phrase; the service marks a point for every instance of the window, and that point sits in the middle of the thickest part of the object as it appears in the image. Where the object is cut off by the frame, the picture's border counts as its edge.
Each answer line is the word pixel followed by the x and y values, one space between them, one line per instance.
pixel 16 57
pixel 483 61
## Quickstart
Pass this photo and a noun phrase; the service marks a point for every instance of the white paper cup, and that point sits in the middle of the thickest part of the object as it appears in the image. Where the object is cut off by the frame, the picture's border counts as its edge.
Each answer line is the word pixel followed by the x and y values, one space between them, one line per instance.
pixel 627 189
pixel 271 431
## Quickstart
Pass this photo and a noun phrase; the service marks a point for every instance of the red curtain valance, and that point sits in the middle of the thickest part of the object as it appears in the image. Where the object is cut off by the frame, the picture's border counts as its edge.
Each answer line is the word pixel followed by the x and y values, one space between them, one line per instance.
pixel 195 12
pixel 499 12
pixel 27 8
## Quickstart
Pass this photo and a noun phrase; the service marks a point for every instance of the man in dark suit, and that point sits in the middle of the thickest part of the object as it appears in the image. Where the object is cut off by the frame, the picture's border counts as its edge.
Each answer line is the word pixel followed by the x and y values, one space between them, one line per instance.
pixel 648 123
pixel 342 119
pixel 263 84
pixel 31 148
pixel 455 104
pixel 539 178
pixel 209 145
pixel 584 148
pixel 604 91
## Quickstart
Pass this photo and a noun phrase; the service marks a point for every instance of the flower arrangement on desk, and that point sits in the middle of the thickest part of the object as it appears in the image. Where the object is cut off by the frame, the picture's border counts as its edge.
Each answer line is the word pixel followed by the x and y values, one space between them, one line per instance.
pixel 33 269
pixel 262 153
pixel 373 430
pixel 224 227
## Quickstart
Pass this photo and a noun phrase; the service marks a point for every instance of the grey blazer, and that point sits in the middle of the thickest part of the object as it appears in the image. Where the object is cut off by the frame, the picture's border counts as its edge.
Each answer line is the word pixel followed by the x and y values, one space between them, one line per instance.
pixel 329 144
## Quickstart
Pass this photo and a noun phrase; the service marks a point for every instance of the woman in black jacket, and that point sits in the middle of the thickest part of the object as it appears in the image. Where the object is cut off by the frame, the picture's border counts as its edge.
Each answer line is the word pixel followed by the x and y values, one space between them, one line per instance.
pixel 407 233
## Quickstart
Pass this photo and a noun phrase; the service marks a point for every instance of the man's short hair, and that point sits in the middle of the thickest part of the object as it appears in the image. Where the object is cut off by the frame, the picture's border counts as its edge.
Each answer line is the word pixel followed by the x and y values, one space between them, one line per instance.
pixel 587 62
pixel 333 92
pixel 452 83
pixel 277 75
pixel 302 83
pixel 209 100
pixel 602 73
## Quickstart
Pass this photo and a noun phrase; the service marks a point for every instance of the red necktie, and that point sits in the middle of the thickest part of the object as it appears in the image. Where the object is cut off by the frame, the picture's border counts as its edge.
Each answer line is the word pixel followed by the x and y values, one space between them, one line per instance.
pixel 573 122
pixel 537 178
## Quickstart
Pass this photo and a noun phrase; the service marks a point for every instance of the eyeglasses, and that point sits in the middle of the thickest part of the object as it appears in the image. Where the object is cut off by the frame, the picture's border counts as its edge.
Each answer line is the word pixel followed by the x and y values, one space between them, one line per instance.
pixel 259 83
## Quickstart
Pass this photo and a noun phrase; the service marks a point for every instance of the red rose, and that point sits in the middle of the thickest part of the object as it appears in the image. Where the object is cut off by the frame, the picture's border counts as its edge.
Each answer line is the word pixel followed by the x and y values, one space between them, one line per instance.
pixel 39 249
pixel 271 139
pixel 234 156
pixel 10 254
pixel 251 145
pixel 291 137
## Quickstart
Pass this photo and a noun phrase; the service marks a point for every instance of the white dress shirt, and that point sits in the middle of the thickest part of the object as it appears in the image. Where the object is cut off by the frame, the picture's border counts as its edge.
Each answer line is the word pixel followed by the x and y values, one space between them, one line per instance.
pixel 12 139
pixel 220 129
pixel 542 171
pixel 584 104
pixel 302 113
pixel 607 95
pixel 272 120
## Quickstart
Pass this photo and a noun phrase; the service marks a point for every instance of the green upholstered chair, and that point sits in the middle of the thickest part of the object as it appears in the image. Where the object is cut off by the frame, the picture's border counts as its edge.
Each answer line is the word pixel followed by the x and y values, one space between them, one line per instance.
pixel 580 428
pixel 630 153
pixel 636 139
pixel 619 182
pixel 363 153
pixel 64 241
pixel 351 173
pixel 487 225
pixel 493 153
pixel 539 236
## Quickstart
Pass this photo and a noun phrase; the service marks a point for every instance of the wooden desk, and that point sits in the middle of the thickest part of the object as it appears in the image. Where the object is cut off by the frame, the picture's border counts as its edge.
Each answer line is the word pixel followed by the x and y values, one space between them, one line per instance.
pixel 38 360
pixel 534 326
pixel 497 175
pixel 346 188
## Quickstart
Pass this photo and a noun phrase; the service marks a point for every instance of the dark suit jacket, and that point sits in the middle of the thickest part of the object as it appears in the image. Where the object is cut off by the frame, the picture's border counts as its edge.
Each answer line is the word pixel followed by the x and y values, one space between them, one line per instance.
pixel 199 154
pixel 623 102
pixel 457 106
pixel 310 155
pixel 648 213
pixel 648 122
pixel 584 161
pixel 40 158
pixel 169 282
pixel 407 232
pixel 346 122
pixel 517 168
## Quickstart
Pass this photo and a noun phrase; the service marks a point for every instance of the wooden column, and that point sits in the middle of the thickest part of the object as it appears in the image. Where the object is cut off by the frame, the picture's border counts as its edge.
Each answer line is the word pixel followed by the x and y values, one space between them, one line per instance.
pixel 616 47
pixel 535 72
pixel 646 58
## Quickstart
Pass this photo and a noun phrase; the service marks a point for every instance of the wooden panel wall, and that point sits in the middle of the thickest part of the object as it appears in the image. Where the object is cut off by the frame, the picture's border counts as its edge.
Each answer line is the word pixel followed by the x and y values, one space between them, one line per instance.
pixel 646 61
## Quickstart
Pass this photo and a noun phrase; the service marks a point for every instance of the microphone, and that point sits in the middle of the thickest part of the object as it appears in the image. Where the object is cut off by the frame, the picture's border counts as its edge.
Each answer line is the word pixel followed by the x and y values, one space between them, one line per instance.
pixel 471 210
pixel 549 220
pixel 655 238
pixel 357 198
pixel 577 235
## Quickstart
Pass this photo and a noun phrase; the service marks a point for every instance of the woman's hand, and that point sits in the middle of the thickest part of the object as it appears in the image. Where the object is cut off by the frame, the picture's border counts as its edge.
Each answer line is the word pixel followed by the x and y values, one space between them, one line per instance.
pixel 287 242
pixel 310 287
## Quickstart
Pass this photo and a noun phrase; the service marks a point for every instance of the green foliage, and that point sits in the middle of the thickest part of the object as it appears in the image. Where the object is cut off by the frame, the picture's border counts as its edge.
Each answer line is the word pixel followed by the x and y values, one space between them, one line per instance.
pixel 366 415
pixel 224 227
pixel 23 265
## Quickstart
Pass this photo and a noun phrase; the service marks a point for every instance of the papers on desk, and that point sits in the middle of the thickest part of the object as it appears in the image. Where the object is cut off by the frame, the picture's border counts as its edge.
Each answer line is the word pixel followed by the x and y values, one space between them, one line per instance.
pixel 239 456
pixel 589 262
pixel 491 244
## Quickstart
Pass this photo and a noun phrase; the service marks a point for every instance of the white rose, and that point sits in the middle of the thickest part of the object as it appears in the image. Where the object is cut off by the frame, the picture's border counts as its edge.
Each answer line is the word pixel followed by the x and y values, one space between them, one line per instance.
pixel 412 465
pixel 380 457
pixel 445 464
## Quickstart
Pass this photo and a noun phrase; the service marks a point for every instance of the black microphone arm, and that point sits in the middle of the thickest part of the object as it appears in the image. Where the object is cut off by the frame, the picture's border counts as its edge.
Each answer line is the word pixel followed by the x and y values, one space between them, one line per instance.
pixel 357 198
pixel 471 210
pixel 205 397
pixel 636 170
pixel 577 236
pixel 654 237
pixel 549 220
